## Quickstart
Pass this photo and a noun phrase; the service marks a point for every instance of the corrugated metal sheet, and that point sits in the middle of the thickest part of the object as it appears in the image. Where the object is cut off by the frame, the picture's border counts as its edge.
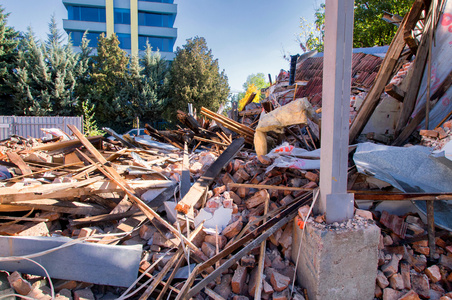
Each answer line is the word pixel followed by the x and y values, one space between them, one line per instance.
pixel 31 126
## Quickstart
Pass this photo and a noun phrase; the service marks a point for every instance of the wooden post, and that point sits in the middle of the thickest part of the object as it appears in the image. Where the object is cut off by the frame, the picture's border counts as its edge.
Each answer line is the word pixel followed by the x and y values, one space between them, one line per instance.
pixel 334 199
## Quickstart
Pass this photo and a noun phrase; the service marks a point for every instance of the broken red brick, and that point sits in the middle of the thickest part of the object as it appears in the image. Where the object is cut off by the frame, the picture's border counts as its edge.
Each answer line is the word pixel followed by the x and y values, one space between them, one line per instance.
pixel 211 239
pixel 208 249
pixel 278 281
pixel 239 279
pixel 420 285
pixel 396 282
pixel 429 133
pixel 286 237
pixel 265 160
pixel 283 295
pixel 219 190
pixel 391 294
pixel 433 273
pixel 232 229
pixel 411 295
pixel 391 267
pixel 405 271
pixel 85 294
pixel 311 176
pixel 258 198
pixel 382 280
pixel 441 133
pixel 20 285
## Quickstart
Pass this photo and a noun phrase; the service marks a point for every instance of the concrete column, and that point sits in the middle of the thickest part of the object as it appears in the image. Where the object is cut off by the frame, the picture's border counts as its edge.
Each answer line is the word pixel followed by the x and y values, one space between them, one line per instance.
pixel 334 200
pixel 110 17
pixel 134 26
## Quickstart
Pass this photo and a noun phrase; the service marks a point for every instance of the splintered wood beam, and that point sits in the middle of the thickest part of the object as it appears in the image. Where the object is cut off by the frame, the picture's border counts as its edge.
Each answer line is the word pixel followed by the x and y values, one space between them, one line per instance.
pixel 395 92
pixel 73 208
pixel 266 186
pixel 412 91
pixel 384 74
pixel 199 188
pixel 149 212
pixel 19 162
pixel 410 24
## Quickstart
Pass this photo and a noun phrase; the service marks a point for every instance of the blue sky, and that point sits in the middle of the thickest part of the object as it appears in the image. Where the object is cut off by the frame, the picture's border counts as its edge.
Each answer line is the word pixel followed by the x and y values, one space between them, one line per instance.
pixel 246 36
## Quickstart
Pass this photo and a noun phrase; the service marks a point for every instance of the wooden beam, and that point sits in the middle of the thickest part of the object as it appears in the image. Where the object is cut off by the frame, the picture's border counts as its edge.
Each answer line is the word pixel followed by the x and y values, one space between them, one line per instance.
pixel 395 92
pixel 74 208
pixel 384 74
pixel 19 162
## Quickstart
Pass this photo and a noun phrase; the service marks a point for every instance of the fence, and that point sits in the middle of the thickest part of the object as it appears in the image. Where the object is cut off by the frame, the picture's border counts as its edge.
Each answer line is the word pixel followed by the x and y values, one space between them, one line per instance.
pixel 31 126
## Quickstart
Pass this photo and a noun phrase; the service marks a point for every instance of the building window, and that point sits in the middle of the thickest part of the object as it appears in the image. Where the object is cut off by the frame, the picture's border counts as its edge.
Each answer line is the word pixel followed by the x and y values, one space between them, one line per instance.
pixel 90 14
pixel 160 1
pixel 157 20
pixel 122 16
pixel 124 41
pixel 160 43
pixel 77 36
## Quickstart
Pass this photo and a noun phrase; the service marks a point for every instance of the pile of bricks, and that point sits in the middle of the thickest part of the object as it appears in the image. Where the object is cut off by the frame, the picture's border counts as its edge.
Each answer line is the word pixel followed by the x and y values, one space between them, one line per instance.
pixel 438 137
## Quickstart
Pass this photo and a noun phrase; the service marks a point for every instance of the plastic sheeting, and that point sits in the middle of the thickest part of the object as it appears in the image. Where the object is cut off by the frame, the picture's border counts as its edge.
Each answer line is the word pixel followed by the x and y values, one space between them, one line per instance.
pixel 411 169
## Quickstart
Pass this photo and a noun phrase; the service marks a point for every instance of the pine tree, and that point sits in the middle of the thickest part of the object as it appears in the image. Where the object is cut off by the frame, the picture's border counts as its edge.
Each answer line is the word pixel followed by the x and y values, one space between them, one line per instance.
pixel 195 78
pixel 8 55
pixel 44 80
pixel 108 78
pixel 155 72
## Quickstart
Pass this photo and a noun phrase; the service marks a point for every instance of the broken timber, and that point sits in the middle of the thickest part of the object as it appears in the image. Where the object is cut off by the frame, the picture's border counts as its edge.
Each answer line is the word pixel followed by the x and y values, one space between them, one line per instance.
pixel 200 187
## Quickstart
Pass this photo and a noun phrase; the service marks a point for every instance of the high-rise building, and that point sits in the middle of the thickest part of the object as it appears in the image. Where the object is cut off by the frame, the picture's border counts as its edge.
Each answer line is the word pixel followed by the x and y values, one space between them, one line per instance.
pixel 135 22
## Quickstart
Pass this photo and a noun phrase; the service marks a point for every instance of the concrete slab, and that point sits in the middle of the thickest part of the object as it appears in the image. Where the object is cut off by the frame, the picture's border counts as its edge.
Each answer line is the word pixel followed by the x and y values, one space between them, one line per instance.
pixel 337 261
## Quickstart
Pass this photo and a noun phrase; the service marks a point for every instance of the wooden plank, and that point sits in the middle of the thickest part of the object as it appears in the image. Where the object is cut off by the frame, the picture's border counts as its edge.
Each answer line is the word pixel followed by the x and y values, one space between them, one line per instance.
pixel 383 76
pixel 149 212
pixel 266 186
pixel 260 265
pixel 395 92
pixel 19 162
pixel 127 226
pixel 99 157
pixel 74 207
pixel 65 144
pixel 412 19
pixel 415 81
pixel 199 188
pixel 102 218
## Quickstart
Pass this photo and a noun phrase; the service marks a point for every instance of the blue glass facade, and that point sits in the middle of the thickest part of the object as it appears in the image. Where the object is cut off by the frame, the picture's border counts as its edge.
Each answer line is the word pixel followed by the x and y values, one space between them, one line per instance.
pixel 153 24
pixel 90 14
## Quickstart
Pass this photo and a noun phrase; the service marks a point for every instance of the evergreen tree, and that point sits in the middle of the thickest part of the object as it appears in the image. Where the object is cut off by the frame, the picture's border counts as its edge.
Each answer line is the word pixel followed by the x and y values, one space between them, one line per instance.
pixel 44 79
pixel 8 56
pixel 108 78
pixel 155 72
pixel 195 78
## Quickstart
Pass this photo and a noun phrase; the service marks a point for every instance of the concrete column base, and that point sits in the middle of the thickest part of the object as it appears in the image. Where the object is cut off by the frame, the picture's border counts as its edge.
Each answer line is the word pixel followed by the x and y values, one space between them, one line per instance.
pixel 337 263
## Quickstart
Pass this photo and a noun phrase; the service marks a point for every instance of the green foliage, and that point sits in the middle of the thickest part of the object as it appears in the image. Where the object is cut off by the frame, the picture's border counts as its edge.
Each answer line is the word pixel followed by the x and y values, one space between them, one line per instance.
pixel 369 27
pixel 370 30
pixel 43 81
pixel 312 35
pixel 195 78
pixel 8 55
pixel 89 122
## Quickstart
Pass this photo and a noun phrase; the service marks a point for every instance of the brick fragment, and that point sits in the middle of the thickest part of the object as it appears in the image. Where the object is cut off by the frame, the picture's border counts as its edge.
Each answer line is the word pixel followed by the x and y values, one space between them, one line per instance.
pixel 286 237
pixel 224 288
pixel 429 133
pixel 239 279
pixel 405 271
pixel 219 190
pixel 258 198
pixel 283 295
pixel 211 239
pixel 311 176
pixel 267 288
pixel 421 247
pixel 33 229
pixel 64 294
pixel 208 249
pixel 286 200
pixel 20 285
pixel 392 266
pixel 420 285
pixel 265 160
pixel 433 273
pixel 396 282
pixel 279 282
pixel 411 295
pixel 242 175
pixel 382 280
pixel 85 294
pixel 40 293
pixel 243 192
pixel 248 261
pixel 230 194
pixel 364 214
pixel 240 297
pixel 227 178
pixel 391 294
pixel 253 281
pixel 378 291
pixel 147 231
pixel 441 133
pixel 232 229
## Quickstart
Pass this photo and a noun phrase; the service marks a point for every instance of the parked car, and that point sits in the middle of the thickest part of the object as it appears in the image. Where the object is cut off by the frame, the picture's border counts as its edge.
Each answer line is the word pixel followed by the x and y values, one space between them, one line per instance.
pixel 133 132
